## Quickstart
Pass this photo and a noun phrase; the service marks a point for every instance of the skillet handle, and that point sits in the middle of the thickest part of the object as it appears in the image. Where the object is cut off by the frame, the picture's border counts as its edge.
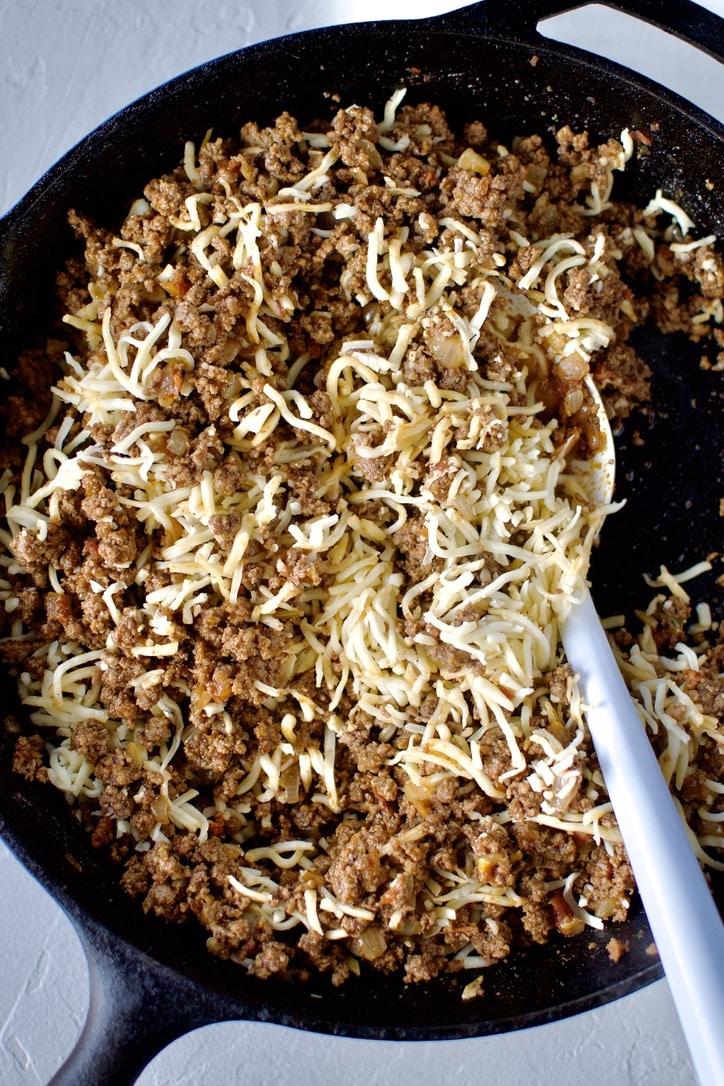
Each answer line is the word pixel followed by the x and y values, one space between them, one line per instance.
pixel 137 1007
pixel 518 19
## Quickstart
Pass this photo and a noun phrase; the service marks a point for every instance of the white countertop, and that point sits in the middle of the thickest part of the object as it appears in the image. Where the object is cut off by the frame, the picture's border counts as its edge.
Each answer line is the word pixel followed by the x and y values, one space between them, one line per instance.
pixel 65 65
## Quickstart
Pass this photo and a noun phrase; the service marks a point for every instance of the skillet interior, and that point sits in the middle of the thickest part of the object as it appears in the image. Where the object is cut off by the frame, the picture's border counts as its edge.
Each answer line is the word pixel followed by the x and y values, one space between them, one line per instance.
pixel 468 76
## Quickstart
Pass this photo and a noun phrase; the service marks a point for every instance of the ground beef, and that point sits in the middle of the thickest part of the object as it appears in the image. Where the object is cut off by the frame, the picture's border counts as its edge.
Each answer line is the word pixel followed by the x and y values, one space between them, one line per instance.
pixel 90 738
pixel 214 731
pixel 617 949
pixel 28 758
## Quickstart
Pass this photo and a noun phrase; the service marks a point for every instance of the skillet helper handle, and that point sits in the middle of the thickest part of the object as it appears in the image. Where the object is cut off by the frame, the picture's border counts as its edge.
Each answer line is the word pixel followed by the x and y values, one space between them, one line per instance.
pixel 518 19
pixel 683 917
pixel 137 1007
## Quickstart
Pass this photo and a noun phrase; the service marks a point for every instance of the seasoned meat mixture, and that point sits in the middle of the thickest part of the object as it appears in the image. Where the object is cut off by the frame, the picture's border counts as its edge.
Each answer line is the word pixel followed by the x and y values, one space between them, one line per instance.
pixel 293 509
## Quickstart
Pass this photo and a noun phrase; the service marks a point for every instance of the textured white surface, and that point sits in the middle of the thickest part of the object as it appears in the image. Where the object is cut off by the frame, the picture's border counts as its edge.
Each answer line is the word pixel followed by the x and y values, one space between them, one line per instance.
pixel 65 65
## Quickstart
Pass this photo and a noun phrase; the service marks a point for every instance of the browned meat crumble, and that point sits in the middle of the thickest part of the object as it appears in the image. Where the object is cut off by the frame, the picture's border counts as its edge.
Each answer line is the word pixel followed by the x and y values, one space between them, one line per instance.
pixel 202 769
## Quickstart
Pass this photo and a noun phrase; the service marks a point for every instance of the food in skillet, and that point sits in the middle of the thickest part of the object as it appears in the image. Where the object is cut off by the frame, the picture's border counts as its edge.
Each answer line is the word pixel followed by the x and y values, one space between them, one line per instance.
pixel 292 513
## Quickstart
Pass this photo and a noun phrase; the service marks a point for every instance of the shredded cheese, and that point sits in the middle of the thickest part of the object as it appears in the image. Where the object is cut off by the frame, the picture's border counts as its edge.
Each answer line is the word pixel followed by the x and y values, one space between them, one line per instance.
pixel 467 479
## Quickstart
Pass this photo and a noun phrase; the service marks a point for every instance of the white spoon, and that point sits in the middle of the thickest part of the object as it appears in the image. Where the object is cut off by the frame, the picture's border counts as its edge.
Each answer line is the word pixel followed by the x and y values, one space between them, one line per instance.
pixel 682 915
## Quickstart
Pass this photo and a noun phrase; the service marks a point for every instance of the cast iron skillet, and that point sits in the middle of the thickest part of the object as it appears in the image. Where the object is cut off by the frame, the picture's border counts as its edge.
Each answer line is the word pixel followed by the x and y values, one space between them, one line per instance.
pixel 150 981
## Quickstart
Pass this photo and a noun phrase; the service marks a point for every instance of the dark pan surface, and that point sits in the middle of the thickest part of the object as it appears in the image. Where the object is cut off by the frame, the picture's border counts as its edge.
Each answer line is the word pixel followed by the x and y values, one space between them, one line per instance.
pixel 671 516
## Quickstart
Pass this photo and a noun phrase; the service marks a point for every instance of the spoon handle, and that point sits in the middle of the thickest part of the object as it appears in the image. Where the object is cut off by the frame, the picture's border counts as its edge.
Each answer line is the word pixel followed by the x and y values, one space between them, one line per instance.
pixel 683 917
